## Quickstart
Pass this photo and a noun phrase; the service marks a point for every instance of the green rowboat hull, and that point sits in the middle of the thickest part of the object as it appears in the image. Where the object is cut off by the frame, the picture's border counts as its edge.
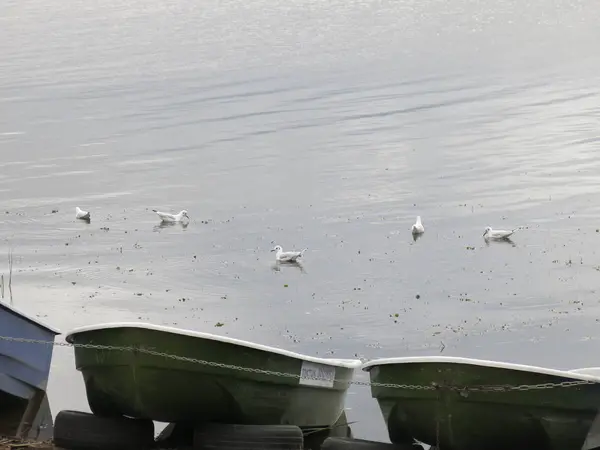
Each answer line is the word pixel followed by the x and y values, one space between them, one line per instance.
pixel 557 418
pixel 161 388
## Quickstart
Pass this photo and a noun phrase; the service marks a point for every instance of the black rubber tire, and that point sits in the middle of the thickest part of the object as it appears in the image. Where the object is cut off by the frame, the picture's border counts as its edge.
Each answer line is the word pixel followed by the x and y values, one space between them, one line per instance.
pixel 74 430
pixel 313 440
pixel 214 436
pixel 342 443
pixel 176 435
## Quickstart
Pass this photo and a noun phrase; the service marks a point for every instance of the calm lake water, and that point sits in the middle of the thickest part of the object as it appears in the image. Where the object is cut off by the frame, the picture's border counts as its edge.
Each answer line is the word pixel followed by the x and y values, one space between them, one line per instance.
pixel 306 123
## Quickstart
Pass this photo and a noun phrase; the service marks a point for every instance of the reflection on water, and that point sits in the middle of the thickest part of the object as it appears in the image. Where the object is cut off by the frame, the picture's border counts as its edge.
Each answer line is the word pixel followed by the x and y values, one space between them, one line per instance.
pixel 327 125
pixel 161 225
pixel 506 240
pixel 279 264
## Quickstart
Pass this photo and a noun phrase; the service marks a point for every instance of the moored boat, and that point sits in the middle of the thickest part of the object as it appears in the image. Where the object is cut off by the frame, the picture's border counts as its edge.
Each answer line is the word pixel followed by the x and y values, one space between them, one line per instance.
pixel 176 375
pixel 24 369
pixel 469 404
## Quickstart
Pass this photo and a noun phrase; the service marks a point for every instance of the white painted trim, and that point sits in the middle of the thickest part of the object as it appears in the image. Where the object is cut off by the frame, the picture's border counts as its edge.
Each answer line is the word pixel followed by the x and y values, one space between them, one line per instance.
pixel 348 363
pixel 27 317
pixel 482 363
pixel 587 371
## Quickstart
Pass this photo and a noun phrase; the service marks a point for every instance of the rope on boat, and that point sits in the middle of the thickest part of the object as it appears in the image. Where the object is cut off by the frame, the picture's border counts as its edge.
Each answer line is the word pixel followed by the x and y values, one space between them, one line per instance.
pixel 462 390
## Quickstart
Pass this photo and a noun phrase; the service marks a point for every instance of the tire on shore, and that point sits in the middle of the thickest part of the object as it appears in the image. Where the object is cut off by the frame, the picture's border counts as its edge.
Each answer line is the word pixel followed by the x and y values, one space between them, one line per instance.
pixel 344 443
pixel 74 430
pixel 212 436
pixel 314 438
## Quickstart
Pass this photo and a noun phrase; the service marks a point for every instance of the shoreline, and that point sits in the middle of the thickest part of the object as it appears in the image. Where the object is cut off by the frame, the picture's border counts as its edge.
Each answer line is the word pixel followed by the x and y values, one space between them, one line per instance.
pixel 7 443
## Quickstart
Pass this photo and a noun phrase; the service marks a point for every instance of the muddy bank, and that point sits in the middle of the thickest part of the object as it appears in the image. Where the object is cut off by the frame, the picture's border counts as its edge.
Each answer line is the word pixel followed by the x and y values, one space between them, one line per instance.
pixel 18 444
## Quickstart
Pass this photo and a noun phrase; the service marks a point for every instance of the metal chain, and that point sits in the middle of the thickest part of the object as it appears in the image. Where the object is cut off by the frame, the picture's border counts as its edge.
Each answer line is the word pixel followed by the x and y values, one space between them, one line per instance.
pixel 414 387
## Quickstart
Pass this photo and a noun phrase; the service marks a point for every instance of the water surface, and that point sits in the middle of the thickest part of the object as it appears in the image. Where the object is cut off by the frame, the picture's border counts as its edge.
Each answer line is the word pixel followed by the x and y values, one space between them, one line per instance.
pixel 327 125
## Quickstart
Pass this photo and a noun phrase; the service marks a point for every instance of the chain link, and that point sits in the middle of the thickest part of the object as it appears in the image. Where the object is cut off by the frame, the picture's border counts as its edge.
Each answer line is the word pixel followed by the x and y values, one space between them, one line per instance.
pixel 415 387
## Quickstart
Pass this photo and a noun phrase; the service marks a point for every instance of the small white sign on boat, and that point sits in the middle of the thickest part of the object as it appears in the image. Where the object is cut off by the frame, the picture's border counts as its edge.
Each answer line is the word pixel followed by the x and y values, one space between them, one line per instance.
pixel 312 374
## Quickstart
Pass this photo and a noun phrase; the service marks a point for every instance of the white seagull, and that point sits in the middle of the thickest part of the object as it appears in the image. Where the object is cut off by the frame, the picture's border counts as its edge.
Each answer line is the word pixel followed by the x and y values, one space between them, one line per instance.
pixel 168 217
pixel 418 227
pixel 280 255
pixel 498 234
pixel 80 214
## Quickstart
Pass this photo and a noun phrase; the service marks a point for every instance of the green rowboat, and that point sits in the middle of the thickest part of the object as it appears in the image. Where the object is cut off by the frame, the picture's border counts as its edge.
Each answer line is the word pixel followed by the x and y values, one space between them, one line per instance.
pixel 469 404
pixel 174 375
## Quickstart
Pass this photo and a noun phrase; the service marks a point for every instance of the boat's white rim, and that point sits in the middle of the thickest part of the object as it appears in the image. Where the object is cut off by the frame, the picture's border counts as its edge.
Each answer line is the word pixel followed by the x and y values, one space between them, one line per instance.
pixel 587 371
pixel 348 363
pixel 482 363
pixel 28 317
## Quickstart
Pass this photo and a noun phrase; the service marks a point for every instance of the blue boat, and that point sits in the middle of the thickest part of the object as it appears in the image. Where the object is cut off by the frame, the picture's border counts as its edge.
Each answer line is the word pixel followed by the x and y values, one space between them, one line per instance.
pixel 24 369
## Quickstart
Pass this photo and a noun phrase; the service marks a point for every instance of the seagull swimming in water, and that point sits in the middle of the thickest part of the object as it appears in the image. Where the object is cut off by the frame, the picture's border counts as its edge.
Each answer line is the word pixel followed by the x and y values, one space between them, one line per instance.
pixel 168 217
pixel 418 227
pixel 282 256
pixel 498 234
pixel 81 214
